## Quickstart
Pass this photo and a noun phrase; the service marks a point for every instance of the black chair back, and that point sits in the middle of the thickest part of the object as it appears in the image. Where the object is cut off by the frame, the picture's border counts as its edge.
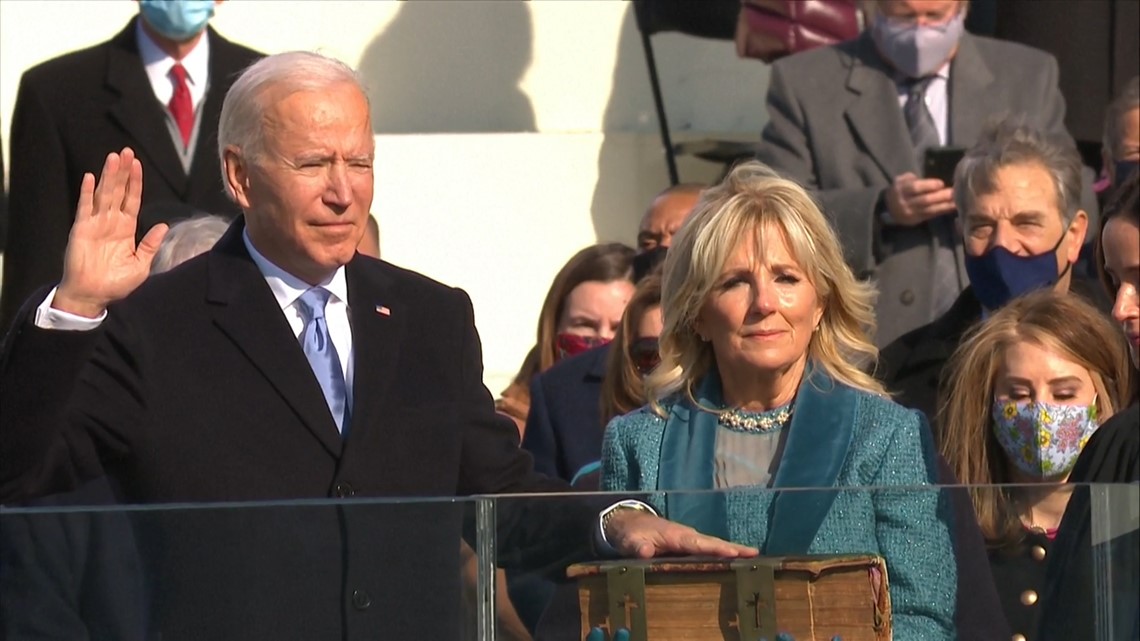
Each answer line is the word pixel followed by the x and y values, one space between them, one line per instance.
pixel 704 19
pixel 701 18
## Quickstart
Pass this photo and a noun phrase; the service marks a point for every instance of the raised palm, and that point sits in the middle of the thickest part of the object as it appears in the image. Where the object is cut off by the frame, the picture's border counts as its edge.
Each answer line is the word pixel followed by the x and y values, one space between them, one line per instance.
pixel 102 264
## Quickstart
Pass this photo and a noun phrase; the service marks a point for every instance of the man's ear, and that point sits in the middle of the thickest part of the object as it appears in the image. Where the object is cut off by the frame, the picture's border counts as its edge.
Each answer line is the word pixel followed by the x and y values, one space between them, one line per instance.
pixel 237 176
pixel 1077 231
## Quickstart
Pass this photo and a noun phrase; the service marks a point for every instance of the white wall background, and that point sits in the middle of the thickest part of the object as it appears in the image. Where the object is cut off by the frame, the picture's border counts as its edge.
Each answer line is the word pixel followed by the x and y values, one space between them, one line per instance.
pixel 509 134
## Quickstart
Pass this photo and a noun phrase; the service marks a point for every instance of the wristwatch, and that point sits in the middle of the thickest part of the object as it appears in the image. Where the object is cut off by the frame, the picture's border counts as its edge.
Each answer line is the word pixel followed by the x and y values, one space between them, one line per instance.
pixel 608 514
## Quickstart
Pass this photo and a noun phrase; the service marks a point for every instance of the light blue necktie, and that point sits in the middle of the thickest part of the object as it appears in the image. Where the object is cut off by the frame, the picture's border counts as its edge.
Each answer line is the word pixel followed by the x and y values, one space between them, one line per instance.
pixel 321 352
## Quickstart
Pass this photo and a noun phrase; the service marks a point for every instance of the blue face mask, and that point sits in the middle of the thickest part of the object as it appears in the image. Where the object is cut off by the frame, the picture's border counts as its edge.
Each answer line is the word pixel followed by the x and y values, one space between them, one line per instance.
pixel 179 20
pixel 998 276
pixel 1122 170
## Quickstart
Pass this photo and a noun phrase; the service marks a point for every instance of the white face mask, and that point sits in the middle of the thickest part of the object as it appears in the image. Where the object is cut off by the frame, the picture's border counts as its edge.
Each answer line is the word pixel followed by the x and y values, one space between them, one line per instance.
pixel 916 50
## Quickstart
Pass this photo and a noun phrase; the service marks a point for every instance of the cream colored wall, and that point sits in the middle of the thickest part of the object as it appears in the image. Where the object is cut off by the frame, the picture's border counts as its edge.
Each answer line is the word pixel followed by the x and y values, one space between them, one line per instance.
pixel 509 134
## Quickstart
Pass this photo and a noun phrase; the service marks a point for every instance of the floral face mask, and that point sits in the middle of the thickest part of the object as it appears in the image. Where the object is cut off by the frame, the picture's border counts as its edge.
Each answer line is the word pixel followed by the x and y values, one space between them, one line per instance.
pixel 1043 439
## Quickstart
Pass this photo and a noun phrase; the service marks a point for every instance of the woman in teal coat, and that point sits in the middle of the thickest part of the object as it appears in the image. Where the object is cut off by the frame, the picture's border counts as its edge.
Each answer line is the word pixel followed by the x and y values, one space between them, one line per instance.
pixel 762 387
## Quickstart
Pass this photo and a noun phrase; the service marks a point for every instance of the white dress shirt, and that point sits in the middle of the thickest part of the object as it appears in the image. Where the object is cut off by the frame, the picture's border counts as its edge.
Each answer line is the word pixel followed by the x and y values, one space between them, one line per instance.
pixel 937 101
pixel 158 65
pixel 286 288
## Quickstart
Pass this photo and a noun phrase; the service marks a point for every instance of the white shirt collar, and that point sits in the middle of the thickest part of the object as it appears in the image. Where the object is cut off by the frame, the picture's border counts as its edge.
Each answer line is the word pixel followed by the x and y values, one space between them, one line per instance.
pixel 158 64
pixel 943 74
pixel 286 287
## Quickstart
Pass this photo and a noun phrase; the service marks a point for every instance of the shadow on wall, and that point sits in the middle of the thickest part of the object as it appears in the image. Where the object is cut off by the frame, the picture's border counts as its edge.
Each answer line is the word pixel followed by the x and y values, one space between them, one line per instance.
pixel 451 67
pixel 624 113
pixel 708 92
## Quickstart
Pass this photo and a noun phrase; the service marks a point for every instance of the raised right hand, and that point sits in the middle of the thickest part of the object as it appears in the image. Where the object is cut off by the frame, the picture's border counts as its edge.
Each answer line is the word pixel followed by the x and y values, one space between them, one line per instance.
pixel 102 264
pixel 912 200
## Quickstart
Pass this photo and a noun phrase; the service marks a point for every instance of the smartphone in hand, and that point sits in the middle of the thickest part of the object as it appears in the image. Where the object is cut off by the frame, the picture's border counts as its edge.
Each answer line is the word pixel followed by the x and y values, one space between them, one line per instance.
pixel 940 162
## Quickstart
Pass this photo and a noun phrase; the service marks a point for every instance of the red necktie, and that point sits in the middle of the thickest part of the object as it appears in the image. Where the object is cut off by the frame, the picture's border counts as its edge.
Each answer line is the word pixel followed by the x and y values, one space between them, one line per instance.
pixel 181 107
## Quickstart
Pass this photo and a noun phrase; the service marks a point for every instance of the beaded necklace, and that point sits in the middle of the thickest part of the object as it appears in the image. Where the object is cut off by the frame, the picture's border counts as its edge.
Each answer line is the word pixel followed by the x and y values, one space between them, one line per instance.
pixel 739 420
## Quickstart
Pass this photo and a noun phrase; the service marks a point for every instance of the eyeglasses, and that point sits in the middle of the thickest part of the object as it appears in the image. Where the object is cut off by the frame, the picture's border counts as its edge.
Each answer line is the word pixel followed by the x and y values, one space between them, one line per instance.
pixel 644 355
pixel 930 19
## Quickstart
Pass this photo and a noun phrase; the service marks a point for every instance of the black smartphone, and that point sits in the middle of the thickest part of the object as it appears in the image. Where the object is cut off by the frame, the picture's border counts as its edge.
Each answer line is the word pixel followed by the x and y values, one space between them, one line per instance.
pixel 940 162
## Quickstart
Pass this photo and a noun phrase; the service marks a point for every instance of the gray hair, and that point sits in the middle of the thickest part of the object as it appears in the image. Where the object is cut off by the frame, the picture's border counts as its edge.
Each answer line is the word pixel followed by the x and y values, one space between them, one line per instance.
pixel 1128 100
pixel 242 121
pixel 187 239
pixel 1008 143
pixel 867 10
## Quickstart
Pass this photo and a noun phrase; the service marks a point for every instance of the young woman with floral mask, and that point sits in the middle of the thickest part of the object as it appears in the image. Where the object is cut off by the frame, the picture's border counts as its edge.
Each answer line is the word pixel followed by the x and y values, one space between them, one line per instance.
pixel 1024 393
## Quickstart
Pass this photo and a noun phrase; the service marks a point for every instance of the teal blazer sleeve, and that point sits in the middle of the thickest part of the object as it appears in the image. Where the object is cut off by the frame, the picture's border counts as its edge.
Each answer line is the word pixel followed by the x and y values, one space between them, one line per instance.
pixel 922 573
pixel 625 466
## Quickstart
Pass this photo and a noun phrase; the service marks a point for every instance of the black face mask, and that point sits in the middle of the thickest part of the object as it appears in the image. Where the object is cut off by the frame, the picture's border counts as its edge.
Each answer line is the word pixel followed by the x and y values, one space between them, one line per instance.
pixel 644 262
pixel 1122 170
pixel 644 354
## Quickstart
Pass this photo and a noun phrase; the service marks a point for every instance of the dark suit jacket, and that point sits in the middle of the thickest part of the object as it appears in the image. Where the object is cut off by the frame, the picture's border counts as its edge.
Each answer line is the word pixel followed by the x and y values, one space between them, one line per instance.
pixel 72 574
pixel 912 366
pixel 1083 578
pixel 3 203
pixel 70 113
pixel 564 427
pixel 195 390
pixel 835 126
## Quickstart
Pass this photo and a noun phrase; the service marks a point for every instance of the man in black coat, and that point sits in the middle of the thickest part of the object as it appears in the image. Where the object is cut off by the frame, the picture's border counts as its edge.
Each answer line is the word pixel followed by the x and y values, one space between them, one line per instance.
pixel 1018 198
pixel 220 382
pixel 71 110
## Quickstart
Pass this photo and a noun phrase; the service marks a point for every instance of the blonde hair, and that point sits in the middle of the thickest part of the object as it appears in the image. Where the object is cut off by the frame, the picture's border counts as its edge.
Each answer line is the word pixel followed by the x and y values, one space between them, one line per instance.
pixel 751 202
pixel 623 389
pixel 1061 323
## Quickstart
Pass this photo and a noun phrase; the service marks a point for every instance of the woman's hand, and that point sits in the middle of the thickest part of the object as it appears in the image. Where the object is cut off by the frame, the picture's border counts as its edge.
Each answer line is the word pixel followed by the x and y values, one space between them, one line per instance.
pixel 597 634
pixel 643 535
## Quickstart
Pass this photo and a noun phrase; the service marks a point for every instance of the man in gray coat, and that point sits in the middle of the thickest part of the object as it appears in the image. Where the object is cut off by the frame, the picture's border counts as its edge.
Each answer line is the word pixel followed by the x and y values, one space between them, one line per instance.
pixel 853 120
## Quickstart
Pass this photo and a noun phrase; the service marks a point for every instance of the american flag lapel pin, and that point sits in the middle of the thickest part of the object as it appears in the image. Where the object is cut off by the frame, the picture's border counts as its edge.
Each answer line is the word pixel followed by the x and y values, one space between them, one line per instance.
pixel 383 310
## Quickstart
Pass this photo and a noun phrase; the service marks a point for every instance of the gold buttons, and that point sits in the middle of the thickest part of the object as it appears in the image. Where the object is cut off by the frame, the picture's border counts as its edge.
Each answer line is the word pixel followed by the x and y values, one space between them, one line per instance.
pixel 1038 553
pixel 1029 597
pixel 1018 637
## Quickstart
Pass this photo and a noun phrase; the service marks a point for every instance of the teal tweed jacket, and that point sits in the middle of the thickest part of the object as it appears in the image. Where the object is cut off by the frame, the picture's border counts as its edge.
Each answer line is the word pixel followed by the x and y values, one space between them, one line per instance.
pixel 875 455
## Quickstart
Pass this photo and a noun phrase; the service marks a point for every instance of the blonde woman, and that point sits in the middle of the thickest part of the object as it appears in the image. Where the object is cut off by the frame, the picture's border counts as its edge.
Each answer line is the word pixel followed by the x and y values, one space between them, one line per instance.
pixel 762 384
pixel 1023 394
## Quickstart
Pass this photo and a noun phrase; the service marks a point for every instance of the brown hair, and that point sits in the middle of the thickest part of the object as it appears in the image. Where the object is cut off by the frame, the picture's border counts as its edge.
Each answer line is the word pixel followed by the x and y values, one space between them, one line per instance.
pixel 1125 102
pixel 1062 323
pixel 1124 204
pixel 622 388
pixel 604 263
